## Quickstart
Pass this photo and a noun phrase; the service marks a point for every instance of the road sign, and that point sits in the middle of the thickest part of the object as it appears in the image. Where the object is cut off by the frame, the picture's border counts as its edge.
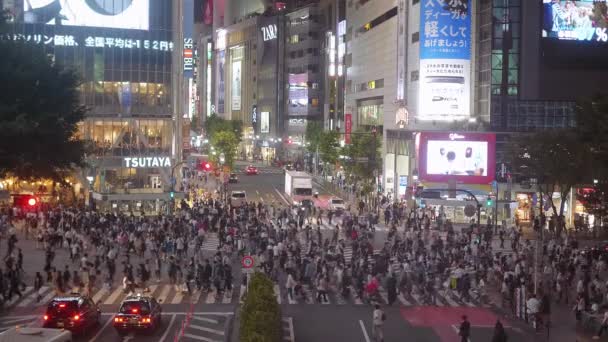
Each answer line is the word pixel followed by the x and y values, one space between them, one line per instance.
pixel 247 262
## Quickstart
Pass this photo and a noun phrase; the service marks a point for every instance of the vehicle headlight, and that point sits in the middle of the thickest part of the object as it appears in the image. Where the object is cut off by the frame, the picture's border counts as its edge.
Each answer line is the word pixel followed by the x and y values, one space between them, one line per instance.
pixel 296 203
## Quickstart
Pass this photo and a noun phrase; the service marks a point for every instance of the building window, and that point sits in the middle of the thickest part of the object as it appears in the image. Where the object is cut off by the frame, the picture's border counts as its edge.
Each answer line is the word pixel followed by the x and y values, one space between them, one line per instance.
pixel 415 37
pixel 294 39
pixel 379 20
pixel 371 85
pixel 415 75
pixel 315 85
pixel 379 83
pixel 415 2
pixel 370 112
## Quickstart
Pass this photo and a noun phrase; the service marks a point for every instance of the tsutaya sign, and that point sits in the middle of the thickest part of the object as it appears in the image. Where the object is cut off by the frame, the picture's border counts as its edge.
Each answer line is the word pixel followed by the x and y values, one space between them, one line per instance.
pixel 147 162
pixel 269 32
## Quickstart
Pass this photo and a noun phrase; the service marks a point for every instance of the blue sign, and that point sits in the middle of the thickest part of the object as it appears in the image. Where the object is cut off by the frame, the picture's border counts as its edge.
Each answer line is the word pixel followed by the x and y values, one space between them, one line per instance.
pixel 445 27
pixel 189 49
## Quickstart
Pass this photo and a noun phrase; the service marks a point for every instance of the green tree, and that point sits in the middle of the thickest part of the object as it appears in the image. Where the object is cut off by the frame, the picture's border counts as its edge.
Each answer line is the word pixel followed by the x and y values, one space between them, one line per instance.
pixel 224 142
pixel 39 112
pixel 215 124
pixel 555 160
pixel 313 135
pixel 329 146
pixel 260 313
pixel 363 156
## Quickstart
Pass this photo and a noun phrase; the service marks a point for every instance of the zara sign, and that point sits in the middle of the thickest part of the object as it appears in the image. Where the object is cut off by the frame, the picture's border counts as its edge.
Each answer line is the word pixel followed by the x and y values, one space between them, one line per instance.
pixel 269 32
pixel 147 162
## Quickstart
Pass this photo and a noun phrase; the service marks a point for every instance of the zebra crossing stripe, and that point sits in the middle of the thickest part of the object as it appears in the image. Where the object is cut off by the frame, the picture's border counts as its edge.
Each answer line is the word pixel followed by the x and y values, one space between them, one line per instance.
pixel 383 294
pixel 97 297
pixel 211 297
pixel 196 296
pixel 277 293
pixel 227 297
pixel 291 300
pixel 114 296
pixel 47 298
pixel 309 294
pixel 179 295
pixel 449 300
pixel 164 294
pixel 17 298
pixel 32 297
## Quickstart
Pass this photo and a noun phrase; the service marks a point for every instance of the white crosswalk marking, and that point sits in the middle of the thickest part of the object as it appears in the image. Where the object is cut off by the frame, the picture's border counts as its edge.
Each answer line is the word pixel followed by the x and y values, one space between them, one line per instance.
pixel 114 296
pixel 32 297
pixel 227 297
pixel 449 300
pixel 383 294
pixel 348 254
pixel 164 294
pixel 15 299
pixel 196 296
pixel 211 242
pixel 211 297
pixel 97 297
pixel 277 293
pixel 47 298
pixel 179 296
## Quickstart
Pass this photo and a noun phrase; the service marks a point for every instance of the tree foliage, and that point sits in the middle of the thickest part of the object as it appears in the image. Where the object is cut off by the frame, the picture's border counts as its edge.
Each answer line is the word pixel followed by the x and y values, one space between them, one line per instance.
pixel 555 160
pixel 224 142
pixel 260 314
pixel 329 146
pixel 39 113
pixel 362 156
pixel 313 135
pixel 215 124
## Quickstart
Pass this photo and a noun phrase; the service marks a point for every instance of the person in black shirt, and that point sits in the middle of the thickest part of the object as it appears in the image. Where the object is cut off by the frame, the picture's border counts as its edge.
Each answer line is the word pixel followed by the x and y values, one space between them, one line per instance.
pixel 465 329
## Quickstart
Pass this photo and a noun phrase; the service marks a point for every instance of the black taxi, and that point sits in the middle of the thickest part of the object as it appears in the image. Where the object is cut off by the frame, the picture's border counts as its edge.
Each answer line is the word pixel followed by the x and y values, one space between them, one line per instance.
pixel 138 313
pixel 74 312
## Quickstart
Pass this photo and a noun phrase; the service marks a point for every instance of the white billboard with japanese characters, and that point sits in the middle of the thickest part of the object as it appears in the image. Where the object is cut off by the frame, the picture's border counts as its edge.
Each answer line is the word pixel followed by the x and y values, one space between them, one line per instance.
pixel 445 60
pixel 120 14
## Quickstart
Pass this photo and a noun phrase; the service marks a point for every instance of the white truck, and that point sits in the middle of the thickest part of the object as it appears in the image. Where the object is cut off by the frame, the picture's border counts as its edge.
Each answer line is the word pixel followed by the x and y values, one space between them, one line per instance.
pixel 298 187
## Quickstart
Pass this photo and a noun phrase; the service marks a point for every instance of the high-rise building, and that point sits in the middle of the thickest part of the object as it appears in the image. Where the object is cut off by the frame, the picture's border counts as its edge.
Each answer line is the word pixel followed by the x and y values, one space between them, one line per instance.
pixel 125 52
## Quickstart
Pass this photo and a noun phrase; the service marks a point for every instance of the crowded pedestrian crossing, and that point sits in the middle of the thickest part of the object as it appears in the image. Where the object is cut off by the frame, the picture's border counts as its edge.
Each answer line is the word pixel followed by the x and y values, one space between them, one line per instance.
pixel 170 294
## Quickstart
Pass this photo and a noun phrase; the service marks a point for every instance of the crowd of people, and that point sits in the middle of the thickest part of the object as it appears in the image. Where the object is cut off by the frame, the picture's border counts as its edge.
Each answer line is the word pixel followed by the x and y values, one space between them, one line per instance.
pixel 423 256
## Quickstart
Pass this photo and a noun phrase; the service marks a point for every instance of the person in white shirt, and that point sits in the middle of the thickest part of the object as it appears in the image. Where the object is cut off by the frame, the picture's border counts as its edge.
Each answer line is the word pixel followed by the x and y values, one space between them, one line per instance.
pixel 378 322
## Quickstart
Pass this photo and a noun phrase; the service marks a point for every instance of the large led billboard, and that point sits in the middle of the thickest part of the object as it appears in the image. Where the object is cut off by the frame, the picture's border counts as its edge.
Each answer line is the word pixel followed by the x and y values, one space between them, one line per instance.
pixel 582 20
pixel 445 60
pixel 465 157
pixel 120 14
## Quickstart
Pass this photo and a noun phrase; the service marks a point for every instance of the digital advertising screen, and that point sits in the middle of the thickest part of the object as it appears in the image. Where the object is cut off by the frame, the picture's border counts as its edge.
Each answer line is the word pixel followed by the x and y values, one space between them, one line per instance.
pixel 119 14
pixel 581 20
pixel 466 157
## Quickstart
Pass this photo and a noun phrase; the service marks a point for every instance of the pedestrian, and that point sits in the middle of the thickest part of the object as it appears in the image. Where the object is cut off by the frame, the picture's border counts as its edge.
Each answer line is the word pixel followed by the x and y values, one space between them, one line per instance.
pixel 37 286
pixel 579 307
pixel 378 318
pixel 465 330
pixel 500 335
pixel 290 284
pixel 391 288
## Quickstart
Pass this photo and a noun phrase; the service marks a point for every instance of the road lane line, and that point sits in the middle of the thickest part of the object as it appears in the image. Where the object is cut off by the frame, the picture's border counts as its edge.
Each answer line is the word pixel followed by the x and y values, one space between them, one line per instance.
pixel 204 319
pixel 199 338
pixel 201 328
pixel 162 339
pixel 364 331
pixel 101 330
pixel 281 196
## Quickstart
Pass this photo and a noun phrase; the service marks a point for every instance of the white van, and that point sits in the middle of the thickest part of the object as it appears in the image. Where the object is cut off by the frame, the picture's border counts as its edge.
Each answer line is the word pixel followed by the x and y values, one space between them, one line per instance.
pixel 26 334
pixel 238 199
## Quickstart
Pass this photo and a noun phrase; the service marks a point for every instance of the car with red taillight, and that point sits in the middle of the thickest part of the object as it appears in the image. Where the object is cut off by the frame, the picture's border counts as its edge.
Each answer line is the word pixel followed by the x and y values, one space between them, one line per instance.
pixel 76 313
pixel 137 313
pixel 251 170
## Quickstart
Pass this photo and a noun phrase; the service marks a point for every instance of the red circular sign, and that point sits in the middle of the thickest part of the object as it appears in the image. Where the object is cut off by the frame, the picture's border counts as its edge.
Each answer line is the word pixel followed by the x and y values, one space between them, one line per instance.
pixel 247 262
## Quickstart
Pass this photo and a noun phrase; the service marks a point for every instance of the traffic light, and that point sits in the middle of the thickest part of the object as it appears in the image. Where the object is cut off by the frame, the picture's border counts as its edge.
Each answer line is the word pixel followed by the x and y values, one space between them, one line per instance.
pixel 172 194
pixel 489 202
pixel 207 166
pixel 289 141
pixel 26 201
